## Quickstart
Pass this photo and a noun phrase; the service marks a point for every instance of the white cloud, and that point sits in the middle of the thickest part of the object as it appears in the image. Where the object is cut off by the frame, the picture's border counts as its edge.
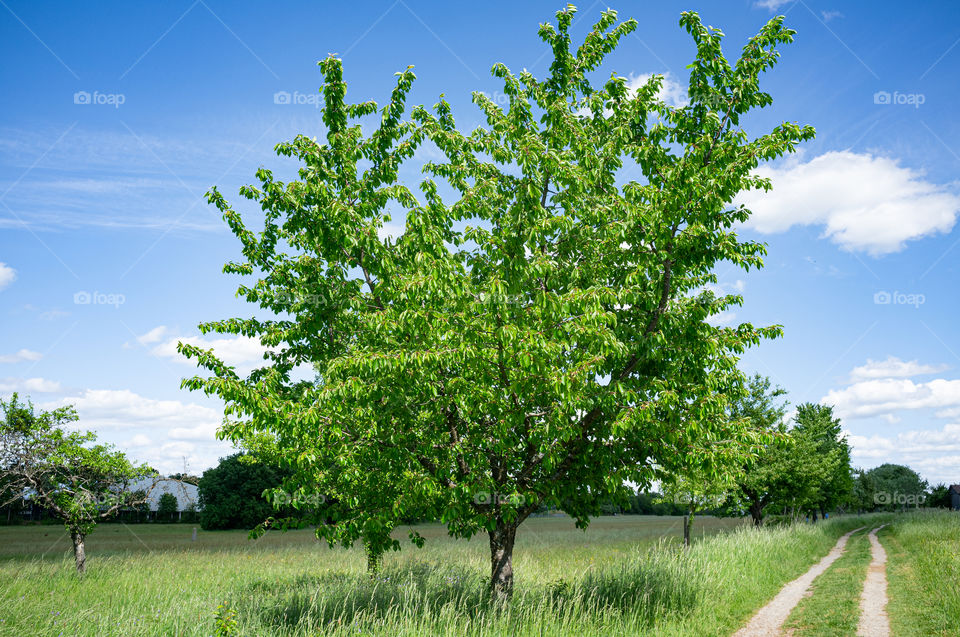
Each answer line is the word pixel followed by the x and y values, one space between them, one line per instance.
pixel 139 440
pixel 237 351
pixel 723 289
pixel 893 367
pixel 204 431
pixel 864 203
pixel 391 230
pixel 7 275
pixel 830 15
pixel 952 412
pixel 29 385
pixel 880 397
pixel 162 433
pixel 20 356
pixel 153 336
pixel 671 91
pixel 723 318
pixel 772 5
pixel 925 451
pixel 123 409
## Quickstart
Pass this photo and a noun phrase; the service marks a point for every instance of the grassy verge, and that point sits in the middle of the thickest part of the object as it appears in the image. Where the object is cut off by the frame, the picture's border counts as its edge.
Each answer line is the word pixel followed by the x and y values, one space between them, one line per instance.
pixel 923 571
pixel 834 607
pixel 620 577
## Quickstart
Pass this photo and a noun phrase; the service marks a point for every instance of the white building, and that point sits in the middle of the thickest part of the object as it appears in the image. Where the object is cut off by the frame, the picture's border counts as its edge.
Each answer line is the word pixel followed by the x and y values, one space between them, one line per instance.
pixel 187 494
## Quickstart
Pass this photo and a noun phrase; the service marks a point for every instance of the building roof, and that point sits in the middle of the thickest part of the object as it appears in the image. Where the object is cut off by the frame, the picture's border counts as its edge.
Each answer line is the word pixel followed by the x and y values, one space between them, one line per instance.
pixel 955 488
pixel 187 494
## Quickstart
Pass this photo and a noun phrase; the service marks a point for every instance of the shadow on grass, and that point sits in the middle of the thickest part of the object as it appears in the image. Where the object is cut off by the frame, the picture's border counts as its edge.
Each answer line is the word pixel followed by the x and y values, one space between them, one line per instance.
pixel 425 593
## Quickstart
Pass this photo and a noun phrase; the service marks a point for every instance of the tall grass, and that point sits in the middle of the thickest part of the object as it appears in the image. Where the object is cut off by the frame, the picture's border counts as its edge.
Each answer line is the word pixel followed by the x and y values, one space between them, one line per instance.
pixel 617 578
pixel 923 570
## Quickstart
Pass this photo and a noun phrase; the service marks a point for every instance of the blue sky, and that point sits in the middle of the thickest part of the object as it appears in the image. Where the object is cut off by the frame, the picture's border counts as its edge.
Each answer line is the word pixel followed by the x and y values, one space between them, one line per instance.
pixel 115 118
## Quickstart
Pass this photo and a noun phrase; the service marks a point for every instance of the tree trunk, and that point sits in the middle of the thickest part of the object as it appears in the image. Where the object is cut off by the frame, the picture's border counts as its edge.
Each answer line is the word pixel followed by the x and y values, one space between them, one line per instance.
pixel 687 528
pixel 756 511
pixel 502 539
pixel 79 552
pixel 374 559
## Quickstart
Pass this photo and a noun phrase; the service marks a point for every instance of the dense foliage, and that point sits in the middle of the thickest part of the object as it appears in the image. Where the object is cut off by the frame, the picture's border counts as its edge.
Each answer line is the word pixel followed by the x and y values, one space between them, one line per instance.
pixel 232 493
pixel 542 335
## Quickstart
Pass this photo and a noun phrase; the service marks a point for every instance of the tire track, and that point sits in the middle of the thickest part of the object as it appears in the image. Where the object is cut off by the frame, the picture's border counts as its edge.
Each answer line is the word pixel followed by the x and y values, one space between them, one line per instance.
pixel 874 621
pixel 769 619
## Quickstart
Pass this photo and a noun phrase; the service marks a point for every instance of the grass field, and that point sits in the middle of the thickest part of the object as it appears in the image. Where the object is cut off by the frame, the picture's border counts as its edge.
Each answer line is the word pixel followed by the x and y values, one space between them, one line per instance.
pixel 923 570
pixel 621 576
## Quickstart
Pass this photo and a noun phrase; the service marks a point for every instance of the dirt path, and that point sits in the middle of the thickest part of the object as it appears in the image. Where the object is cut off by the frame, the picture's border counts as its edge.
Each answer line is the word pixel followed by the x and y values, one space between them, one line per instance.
pixel 873 601
pixel 770 618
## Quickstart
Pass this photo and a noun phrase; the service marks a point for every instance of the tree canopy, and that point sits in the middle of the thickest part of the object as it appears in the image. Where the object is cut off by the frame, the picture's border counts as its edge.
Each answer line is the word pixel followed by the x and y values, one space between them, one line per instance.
pixel 540 333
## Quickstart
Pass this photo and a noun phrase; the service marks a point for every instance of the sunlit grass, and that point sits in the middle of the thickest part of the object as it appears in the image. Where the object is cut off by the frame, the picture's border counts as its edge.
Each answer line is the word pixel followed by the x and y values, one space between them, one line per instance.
pixel 923 570
pixel 621 576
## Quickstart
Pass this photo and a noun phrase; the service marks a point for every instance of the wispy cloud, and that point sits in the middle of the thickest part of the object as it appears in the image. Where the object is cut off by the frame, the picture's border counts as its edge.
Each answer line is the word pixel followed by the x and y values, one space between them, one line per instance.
pixel 29 385
pixel 772 5
pixel 893 367
pixel 21 356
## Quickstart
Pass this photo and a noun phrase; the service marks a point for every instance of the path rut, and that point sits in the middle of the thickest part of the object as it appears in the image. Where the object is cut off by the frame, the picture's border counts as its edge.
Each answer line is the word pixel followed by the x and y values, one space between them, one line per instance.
pixel 873 601
pixel 770 618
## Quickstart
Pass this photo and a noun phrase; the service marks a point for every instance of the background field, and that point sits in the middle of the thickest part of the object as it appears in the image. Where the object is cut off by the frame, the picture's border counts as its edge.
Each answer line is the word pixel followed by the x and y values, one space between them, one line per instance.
pixel 621 576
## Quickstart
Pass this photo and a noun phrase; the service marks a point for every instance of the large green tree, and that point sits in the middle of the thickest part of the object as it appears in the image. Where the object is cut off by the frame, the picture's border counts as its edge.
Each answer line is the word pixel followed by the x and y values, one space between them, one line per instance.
pixel 540 332
pixel 64 471
pixel 896 486
pixel 232 493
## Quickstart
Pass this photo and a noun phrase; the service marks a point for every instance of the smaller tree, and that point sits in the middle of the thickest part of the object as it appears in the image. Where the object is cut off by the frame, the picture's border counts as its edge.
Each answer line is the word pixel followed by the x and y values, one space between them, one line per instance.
pixel 185 477
pixel 78 481
pixel 696 491
pixel 167 507
pixel 939 497
pixel 764 479
pixel 141 509
pixel 896 486
pixel 863 491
